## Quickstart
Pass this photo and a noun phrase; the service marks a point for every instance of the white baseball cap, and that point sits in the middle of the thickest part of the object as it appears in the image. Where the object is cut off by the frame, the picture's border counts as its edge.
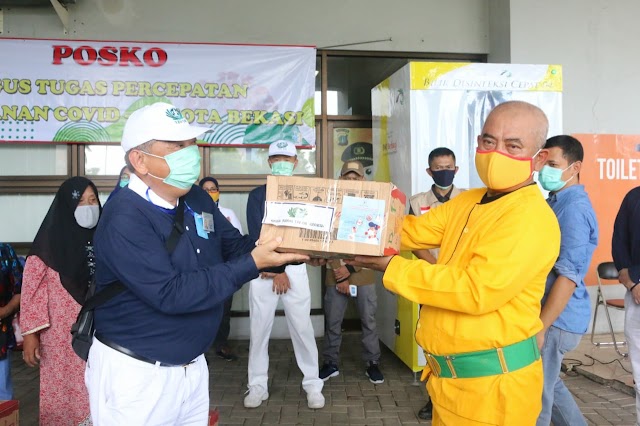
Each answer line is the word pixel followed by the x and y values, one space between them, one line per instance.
pixel 282 147
pixel 159 121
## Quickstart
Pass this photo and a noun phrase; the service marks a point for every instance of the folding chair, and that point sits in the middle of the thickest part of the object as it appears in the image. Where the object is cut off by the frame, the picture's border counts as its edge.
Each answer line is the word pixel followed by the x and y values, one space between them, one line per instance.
pixel 607 271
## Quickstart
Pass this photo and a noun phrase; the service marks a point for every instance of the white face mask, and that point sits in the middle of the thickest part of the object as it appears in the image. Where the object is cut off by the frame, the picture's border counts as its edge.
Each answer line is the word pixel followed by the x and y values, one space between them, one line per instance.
pixel 87 216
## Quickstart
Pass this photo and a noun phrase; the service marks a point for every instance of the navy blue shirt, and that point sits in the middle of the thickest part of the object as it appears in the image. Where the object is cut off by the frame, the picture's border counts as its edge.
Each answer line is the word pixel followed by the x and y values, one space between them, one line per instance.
pixel 578 240
pixel 173 304
pixel 625 244
pixel 255 213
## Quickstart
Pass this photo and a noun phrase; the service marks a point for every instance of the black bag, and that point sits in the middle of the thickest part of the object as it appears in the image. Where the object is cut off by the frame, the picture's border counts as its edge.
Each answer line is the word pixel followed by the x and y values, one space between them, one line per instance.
pixel 83 329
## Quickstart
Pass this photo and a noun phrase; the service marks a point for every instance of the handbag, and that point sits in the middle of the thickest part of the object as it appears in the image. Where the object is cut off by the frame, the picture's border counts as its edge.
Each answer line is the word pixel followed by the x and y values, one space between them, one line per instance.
pixel 83 329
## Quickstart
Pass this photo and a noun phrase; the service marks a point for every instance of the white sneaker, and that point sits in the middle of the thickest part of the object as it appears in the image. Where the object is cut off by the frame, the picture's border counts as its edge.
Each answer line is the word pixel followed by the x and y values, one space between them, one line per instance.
pixel 315 400
pixel 255 396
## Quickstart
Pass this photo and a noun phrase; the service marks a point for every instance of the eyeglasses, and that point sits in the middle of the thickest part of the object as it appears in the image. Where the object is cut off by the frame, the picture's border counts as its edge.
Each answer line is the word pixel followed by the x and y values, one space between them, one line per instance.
pixel 214 190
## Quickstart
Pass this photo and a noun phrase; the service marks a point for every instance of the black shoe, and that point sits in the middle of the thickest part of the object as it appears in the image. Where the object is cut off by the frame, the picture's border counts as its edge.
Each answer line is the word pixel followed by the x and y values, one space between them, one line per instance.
pixel 426 412
pixel 374 374
pixel 328 371
pixel 226 354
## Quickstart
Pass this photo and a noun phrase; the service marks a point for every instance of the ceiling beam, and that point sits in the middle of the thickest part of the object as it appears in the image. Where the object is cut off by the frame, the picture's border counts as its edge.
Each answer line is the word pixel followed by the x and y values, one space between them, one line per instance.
pixel 62 13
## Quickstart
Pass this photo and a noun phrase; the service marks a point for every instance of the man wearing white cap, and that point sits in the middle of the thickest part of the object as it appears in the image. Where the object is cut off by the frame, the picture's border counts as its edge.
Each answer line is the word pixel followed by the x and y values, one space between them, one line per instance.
pixel 177 259
pixel 289 284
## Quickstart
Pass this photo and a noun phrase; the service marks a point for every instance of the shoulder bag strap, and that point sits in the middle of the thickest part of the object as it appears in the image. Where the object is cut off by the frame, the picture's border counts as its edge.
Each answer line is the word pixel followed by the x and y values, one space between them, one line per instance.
pixel 117 287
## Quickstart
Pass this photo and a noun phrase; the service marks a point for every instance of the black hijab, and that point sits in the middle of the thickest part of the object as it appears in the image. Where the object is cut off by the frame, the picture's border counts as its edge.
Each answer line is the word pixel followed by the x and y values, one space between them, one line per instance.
pixel 65 246
pixel 209 179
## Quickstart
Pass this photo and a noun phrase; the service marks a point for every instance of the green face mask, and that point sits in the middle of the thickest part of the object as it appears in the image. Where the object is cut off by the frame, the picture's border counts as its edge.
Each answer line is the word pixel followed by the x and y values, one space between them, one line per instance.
pixel 184 167
pixel 551 178
pixel 282 168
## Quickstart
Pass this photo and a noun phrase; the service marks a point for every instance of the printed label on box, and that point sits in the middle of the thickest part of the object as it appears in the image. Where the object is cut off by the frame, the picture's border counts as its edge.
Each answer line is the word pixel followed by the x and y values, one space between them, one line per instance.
pixel 319 194
pixel 361 219
pixel 299 215
pixel 285 192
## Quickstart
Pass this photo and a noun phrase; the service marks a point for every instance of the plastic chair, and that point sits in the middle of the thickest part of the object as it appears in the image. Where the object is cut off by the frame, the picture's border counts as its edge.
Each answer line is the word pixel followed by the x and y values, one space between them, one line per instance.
pixel 607 271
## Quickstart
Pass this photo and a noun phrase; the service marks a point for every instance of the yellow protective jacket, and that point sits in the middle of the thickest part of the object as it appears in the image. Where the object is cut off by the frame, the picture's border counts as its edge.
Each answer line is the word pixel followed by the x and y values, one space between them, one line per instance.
pixel 484 292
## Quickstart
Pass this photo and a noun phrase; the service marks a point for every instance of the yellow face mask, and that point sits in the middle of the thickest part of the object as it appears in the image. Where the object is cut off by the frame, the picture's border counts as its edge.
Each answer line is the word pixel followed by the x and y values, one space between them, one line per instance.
pixel 501 171
pixel 215 196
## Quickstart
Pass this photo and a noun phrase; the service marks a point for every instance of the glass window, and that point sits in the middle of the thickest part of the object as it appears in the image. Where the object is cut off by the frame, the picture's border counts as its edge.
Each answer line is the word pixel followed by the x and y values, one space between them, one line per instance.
pixel 33 160
pixel 351 80
pixel 103 160
pixel 332 102
pixel 24 217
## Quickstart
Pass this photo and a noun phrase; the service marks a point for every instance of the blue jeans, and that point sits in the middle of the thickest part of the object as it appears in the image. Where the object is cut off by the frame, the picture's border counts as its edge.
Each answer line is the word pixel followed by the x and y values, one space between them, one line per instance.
pixel 6 386
pixel 558 404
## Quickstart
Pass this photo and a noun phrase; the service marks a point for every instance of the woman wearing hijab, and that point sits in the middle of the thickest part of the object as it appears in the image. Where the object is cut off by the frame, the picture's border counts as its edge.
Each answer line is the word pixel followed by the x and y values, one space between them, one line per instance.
pixel 56 277
pixel 123 180
pixel 221 343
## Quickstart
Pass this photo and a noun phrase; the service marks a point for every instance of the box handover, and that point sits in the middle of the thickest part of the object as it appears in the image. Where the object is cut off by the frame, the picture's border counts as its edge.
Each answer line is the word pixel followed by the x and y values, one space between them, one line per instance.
pixel 333 218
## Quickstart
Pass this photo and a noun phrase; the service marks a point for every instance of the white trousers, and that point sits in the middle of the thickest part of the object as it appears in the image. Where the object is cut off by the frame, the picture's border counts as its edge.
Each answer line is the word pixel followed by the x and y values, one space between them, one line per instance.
pixel 125 391
pixel 297 307
pixel 632 333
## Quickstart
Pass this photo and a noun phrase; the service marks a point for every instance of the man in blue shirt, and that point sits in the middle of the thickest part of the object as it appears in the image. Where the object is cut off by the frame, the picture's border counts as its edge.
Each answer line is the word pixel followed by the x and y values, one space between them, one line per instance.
pixel 566 307
pixel 146 365
pixel 625 248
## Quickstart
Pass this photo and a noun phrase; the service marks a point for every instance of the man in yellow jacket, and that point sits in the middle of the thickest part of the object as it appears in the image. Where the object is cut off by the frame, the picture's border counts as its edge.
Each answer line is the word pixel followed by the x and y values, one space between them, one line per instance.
pixel 481 301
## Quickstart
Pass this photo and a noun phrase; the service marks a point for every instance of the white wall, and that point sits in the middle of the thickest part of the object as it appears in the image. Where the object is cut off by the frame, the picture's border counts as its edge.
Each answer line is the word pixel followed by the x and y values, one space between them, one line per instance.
pixel 414 25
pixel 596 41
pixel 500 31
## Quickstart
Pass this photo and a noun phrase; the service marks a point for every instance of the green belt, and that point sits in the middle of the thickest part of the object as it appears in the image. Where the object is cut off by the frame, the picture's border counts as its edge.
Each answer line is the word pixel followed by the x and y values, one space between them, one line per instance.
pixel 485 363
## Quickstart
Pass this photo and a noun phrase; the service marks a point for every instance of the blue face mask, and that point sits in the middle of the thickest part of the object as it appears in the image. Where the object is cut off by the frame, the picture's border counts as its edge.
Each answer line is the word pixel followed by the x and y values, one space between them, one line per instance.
pixel 282 168
pixel 123 182
pixel 551 178
pixel 184 167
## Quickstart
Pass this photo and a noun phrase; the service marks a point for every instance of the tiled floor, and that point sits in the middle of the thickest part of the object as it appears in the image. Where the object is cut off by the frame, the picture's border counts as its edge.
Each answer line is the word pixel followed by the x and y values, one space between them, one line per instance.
pixel 350 397
pixel 602 363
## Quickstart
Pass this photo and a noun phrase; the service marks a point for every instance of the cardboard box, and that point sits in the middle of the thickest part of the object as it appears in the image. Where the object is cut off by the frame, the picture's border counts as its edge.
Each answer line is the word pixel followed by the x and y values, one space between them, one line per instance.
pixel 10 413
pixel 333 218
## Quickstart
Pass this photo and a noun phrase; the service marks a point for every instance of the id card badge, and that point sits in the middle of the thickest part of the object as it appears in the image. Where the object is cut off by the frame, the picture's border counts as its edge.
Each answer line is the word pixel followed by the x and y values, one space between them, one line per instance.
pixel 200 226
pixel 207 222
pixel 353 290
